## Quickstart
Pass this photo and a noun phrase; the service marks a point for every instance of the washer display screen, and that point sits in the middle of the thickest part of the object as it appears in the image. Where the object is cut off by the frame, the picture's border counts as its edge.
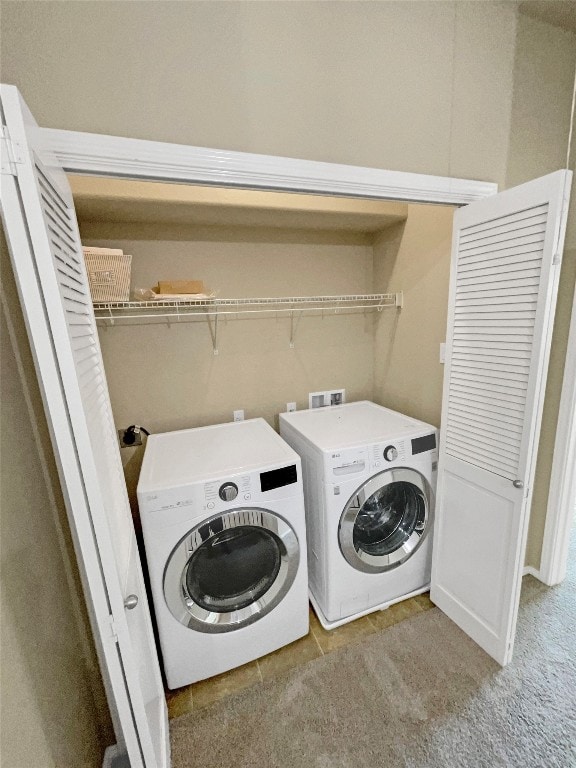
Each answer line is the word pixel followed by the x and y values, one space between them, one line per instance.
pixel 422 444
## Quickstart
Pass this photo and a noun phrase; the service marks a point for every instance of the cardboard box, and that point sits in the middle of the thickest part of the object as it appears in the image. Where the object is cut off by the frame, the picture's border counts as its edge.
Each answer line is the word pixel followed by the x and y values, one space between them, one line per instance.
pixel 180 286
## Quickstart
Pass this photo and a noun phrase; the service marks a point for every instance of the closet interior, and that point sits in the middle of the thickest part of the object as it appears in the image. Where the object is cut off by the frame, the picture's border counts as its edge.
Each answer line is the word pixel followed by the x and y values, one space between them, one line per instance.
pixel 247 244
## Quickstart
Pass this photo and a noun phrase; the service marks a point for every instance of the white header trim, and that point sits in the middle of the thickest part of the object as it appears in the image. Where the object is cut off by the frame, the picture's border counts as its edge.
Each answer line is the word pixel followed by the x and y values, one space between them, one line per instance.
pixel 95 154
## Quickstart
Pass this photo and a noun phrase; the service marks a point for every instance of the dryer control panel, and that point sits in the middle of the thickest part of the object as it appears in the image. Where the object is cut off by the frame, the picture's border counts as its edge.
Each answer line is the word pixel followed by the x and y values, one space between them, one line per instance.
pixel 239 489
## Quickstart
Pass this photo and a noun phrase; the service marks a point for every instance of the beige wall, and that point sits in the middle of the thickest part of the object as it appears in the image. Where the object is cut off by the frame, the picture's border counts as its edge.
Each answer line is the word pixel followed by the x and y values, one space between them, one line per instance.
pixel 544 64
pixel 167 377
pixel 413 86
pixel 414 258
pixel 54 713
pixel 544 67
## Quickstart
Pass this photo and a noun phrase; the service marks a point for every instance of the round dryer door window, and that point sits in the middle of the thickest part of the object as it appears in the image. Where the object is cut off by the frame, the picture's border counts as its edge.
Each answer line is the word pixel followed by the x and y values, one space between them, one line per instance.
pixel 386 520
pixel 231 570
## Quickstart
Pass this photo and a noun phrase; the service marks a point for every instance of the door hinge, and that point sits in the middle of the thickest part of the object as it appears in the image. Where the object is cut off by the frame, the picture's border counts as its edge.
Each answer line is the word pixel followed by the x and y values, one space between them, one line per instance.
pixel 113 630
pixel 11 154
pixel 557 258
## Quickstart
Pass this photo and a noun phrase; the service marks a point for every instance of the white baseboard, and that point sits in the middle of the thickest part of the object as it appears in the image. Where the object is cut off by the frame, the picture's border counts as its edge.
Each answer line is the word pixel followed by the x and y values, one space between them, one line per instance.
pixel 530 571
pixel 114 757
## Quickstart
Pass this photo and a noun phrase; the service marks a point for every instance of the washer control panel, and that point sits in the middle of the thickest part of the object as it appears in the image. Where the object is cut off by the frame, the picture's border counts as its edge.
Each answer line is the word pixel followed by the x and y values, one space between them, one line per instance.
pixel 384 454
pixel 390 453
pixel 228 491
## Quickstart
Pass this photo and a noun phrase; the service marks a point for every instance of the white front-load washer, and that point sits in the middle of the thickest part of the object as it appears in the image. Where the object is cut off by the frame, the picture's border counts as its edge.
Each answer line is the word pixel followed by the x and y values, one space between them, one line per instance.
pixel 222 512
pixel 369 485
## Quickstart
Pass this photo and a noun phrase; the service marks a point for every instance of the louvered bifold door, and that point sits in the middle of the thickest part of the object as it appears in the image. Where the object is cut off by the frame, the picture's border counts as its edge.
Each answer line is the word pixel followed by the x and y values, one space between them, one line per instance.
pixel 42 232
pixel 505 266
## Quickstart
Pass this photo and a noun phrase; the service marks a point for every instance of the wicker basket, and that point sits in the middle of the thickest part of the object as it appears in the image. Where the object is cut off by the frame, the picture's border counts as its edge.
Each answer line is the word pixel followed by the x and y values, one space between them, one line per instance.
pixel 108 274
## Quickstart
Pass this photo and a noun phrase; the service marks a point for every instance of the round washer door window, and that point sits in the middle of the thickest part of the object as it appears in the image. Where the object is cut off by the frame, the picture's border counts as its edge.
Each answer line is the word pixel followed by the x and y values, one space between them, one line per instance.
pixel 386 520
pixel 231 570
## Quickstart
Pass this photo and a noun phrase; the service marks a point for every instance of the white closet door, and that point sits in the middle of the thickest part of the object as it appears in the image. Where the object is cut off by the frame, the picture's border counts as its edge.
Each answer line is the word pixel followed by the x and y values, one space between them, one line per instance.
pixel 506 255
pixel 41 229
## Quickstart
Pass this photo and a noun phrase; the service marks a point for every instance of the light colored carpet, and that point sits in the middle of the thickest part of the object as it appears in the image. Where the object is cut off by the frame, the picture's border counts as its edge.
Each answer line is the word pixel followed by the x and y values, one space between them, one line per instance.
pixel 420 694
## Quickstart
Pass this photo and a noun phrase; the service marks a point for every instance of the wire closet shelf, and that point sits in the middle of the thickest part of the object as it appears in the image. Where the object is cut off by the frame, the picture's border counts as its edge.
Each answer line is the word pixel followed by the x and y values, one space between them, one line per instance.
pixel 211 309
pixel 108 312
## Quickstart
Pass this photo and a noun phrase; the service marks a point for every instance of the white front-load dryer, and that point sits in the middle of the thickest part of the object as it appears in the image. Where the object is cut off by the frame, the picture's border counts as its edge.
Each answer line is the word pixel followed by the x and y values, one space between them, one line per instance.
pixel 369 485
pixel 224 528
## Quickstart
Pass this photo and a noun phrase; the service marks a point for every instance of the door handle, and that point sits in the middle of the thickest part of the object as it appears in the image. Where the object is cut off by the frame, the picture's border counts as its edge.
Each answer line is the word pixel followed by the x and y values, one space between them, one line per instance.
pixel 518 484
pixel 131 602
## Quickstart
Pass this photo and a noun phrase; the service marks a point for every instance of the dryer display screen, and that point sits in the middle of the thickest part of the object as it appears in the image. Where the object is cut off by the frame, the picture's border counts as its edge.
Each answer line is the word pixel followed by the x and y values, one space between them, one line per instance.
pixel 276 478
pixel 422 444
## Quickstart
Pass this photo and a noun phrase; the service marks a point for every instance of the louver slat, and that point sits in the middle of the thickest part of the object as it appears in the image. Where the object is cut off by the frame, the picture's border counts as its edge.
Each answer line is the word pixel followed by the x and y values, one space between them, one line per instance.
pixel 492 367
pixel 499 432
pixel 485 384
pixel 524 287
pixel 505 229
pixel 477 373
pixel 496 350
pixel 489 253
pixel 503 247
pixel 512 422
pixel 517 304
pixel 481 459
pixel 77 303
pixel 488 281
pixel 493 381
pixel 510 219
pixel 501 265
pixel 492 355
pixel 497 283
pixel 507 239
pixel 473 399
pixel 498 450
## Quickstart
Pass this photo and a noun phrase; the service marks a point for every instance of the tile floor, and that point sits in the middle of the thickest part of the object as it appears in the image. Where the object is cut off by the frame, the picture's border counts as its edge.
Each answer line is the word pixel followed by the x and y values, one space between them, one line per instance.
pixel 316 643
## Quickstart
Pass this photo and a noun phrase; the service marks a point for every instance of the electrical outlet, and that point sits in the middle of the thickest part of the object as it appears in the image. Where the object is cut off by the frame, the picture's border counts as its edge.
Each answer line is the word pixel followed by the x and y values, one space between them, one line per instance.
pixel 135 439
pixel 290 407
pixel 238 415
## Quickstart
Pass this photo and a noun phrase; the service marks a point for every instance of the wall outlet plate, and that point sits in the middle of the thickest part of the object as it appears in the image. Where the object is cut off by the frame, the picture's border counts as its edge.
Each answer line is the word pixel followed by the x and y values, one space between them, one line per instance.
pixel 137 439
pixel 326 398
pixel 290 407
pixel 238 415
pixel 336 396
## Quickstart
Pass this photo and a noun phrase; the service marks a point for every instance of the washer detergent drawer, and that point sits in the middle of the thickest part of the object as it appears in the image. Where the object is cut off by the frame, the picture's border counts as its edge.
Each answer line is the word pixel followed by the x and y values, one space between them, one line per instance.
pixel 349 469
pixel 341 465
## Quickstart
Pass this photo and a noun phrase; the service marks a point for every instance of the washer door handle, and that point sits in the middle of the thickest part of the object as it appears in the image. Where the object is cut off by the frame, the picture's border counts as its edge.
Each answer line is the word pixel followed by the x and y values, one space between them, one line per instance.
pixel 131 602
